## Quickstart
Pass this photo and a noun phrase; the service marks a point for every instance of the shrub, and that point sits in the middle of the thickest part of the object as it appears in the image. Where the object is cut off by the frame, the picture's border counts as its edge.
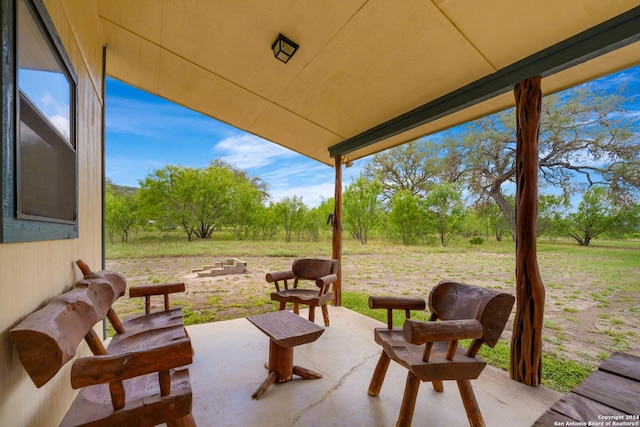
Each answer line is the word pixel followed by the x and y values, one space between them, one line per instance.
pixel 477 240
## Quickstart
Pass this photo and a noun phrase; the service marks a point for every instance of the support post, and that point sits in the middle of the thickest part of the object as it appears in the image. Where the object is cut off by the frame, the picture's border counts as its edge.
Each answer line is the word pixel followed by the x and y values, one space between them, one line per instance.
pixel 337 230
pixel 526 341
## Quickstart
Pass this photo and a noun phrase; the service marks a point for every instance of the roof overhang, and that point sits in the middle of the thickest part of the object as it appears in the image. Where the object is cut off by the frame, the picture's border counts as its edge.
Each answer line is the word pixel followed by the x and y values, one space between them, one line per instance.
pixel 369 75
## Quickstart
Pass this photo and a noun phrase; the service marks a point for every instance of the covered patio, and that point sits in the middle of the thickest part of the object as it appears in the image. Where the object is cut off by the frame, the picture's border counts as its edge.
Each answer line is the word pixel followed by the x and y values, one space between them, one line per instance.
pixel 369 75
pixel 229 365
pixel 359 77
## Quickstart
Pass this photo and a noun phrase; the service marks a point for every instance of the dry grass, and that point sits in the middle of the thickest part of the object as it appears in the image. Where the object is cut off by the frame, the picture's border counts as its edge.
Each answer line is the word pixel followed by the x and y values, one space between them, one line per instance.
pixel 592 304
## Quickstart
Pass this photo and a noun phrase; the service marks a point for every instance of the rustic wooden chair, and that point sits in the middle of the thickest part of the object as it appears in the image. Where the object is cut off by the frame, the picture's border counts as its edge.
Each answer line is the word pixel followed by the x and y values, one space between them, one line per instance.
pixel 429 350
pixel 322 271
pixel 143 387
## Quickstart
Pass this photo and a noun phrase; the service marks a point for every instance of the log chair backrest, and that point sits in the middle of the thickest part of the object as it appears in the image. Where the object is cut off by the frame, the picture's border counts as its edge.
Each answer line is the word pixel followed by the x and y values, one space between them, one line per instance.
pixel 116 280
pixel 48 338
pixel 313 268
pixel 456 301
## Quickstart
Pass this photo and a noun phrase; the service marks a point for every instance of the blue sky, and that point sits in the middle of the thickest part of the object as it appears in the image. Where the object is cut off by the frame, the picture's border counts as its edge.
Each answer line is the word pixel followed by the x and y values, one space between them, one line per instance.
pixel 145 132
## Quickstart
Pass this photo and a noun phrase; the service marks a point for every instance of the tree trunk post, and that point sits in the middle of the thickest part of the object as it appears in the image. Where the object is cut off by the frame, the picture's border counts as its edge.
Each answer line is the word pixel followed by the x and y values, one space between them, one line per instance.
pixel 526 341
pixel 337 230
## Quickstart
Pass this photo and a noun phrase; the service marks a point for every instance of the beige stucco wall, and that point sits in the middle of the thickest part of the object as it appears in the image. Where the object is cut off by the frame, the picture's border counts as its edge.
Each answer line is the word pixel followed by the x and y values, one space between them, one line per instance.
pixel 31 273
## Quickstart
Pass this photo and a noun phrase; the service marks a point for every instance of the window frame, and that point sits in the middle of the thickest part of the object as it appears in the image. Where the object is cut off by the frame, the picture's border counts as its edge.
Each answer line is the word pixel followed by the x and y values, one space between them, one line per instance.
pixel 27 229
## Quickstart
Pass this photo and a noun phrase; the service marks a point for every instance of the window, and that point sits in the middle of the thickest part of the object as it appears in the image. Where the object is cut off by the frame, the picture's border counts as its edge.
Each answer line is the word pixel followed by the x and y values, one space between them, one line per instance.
pixel 39 189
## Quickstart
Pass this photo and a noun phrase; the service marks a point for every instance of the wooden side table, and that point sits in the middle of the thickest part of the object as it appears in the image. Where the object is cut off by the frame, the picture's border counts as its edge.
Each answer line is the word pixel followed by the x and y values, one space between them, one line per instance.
pixel 285 330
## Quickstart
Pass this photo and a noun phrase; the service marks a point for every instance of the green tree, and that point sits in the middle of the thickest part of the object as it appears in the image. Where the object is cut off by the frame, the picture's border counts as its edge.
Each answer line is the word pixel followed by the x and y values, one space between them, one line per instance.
pixel 197 199
pixel 121 213
pixel 413 167
pixel 473 224
pixel 361 207
pixel 494 219
pixel 246 203
pixel 626 223
pixel 551 210
pixel 599 215
pixel 243 176
pixel 313 222
pixel 290 212
pixel 444 202
pixel 265 223
pixel 583 134
pixel 406 218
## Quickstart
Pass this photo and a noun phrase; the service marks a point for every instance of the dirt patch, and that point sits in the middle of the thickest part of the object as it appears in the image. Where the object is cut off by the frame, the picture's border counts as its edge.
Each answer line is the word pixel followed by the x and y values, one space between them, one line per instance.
pixel 585 319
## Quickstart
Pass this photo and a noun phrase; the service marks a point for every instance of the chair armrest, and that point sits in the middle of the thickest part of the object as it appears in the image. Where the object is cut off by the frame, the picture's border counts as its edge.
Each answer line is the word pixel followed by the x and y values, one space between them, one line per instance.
pixel 396 303
pixel 148 291
pixel 418 332
pixel 324 282
pixel 109 368
pixel 280 275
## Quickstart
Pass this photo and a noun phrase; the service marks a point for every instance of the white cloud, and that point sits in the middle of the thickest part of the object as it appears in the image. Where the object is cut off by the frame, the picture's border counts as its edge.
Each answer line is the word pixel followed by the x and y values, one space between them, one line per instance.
pixel 62 124
pixel 248 151
pixel 313 181
pixel 47 100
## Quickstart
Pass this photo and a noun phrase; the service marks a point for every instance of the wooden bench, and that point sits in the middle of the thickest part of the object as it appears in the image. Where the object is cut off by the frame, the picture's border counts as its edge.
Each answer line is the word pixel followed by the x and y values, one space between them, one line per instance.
pixel 120 386
pixel 140 330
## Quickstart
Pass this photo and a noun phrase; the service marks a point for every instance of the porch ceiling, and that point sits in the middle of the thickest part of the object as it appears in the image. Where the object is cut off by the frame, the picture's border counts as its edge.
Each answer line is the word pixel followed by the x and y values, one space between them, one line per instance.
pixel 361 63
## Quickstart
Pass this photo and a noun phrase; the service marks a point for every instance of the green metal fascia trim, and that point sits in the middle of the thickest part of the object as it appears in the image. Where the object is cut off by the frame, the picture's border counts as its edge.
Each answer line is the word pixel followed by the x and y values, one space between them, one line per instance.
pixel 610 35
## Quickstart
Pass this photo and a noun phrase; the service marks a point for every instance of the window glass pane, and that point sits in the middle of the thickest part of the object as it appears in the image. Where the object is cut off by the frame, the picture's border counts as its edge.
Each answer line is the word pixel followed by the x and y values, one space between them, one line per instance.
pixel 41 77
pixel 47 174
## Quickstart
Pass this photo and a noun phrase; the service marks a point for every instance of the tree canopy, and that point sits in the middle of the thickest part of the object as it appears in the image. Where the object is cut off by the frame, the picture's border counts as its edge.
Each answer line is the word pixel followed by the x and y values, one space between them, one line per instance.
pixel 585 140
pixel 197 199
pixel 362 207
pixel 597 215
pixel 412 167
pixel 121 212
pixel 458 182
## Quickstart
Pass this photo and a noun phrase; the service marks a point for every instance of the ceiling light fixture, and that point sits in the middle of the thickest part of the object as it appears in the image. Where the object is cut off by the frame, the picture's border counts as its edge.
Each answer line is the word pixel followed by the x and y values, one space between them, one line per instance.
pixel 283 48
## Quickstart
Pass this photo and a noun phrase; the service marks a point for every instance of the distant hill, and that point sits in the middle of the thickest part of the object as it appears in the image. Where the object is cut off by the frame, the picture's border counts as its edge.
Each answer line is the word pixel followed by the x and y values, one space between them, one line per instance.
pixel 122 189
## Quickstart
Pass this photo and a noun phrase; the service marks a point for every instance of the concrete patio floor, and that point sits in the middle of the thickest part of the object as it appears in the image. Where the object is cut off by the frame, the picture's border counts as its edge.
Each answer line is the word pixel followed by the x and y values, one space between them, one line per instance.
pixel 229 363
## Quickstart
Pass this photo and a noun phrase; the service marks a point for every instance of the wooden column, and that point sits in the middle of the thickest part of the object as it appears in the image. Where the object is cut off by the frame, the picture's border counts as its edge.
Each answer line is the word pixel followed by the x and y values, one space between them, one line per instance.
pixel 526 341
pixel 337 230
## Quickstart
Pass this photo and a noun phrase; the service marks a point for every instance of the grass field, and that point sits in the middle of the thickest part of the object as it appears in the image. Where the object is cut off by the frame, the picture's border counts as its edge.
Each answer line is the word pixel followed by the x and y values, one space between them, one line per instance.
pixel 592 303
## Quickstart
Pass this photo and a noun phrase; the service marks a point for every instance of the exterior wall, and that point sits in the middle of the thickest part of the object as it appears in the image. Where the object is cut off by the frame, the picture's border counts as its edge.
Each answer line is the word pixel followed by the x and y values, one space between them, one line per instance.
pixel 31 273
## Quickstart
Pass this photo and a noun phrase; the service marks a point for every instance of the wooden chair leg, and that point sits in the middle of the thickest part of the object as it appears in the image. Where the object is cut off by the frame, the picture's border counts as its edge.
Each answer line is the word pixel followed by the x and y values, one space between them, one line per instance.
pixel 408 401
pixel 296 308
pixel 312 313
pixel 438 386
pixel 325 314
pixel 470 404
pixel 271 378
pixel 378 375
pixel 283 305
pixel 186 421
